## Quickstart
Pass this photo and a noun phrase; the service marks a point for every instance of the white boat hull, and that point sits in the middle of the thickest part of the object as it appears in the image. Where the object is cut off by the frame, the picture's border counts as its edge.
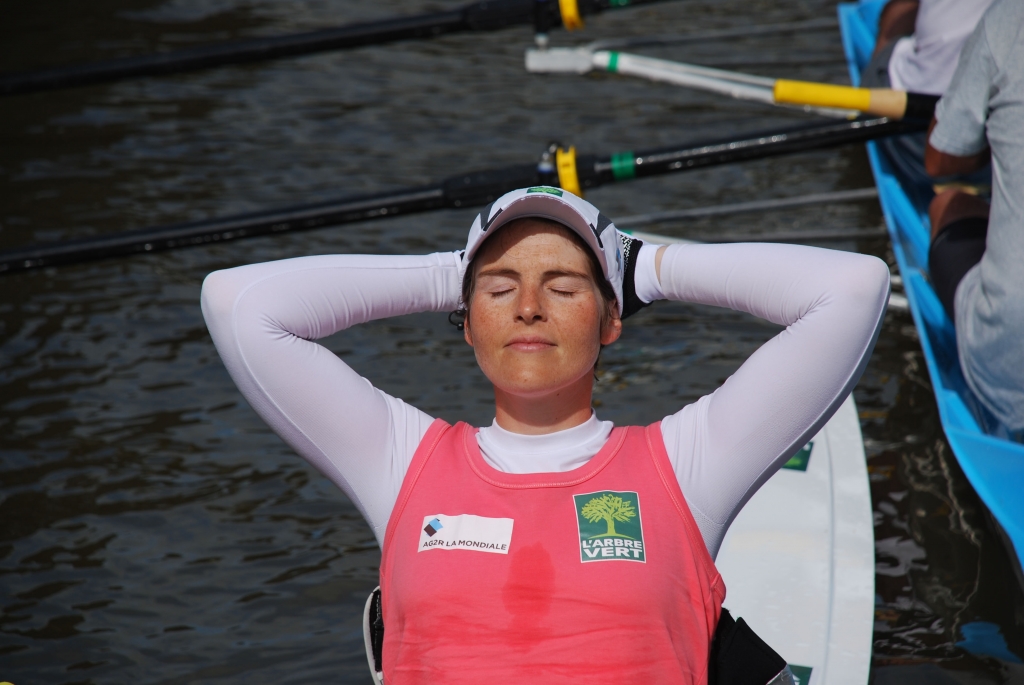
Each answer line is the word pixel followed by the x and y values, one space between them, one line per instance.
pixel 798 561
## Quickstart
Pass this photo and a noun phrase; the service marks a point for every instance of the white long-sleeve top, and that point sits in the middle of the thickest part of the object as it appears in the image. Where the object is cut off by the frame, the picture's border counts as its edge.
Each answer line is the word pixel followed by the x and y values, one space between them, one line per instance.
pixel 265 319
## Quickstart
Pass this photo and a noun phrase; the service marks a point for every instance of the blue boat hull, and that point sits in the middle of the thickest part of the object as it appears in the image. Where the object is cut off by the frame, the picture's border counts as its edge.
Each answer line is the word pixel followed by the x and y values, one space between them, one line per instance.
pixel 995 467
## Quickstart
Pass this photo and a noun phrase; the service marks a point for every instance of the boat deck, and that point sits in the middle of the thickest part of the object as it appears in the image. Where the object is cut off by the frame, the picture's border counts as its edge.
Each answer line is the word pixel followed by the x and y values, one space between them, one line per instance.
pixel 798 561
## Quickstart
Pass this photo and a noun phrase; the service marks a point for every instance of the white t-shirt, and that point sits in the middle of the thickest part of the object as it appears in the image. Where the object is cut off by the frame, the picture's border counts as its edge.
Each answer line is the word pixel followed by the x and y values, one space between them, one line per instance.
pixel 925 61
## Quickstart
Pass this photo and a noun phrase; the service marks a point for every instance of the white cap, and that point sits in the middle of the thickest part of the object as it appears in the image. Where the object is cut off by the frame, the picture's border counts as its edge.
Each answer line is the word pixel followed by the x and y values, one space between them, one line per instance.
pixel 546 202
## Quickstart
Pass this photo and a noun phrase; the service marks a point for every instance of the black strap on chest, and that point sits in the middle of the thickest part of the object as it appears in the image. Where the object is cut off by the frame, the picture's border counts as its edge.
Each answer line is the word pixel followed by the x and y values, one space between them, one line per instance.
pixel 377 631
pixel 738 655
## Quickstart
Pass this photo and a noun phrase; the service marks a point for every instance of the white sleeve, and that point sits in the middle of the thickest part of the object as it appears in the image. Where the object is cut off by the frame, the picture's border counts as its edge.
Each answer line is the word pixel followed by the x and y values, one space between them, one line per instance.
pixel 264 319
pixel 727 444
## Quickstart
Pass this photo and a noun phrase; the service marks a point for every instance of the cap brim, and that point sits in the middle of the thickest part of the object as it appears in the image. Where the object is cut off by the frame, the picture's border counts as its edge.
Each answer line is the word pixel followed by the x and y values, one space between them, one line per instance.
pixel 543 206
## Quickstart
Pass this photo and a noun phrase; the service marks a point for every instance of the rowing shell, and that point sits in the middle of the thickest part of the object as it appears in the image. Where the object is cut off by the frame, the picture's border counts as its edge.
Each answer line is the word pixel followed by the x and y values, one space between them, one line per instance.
pixel 994 466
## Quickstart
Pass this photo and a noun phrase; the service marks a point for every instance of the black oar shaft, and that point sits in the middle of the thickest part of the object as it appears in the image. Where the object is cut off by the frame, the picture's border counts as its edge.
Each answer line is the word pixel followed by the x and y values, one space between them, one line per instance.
pixel 921 106
pixel 464 190
pixel 159 238
pixel 756 146
pixel 234 52
pixel 484 15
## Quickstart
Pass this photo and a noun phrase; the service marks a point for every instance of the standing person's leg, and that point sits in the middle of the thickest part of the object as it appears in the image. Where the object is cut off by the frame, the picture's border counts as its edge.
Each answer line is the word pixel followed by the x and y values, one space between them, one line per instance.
pixel 904 152
pixel 959 227
pixel 897 20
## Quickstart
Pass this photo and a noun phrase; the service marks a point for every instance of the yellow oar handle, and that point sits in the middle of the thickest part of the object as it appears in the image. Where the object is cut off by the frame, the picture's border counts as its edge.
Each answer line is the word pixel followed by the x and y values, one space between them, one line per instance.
pixel 878 101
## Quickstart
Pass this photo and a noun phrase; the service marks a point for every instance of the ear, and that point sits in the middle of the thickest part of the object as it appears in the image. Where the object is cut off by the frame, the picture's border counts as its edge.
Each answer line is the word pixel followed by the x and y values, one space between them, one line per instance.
pixel 466 334
pixel 611 329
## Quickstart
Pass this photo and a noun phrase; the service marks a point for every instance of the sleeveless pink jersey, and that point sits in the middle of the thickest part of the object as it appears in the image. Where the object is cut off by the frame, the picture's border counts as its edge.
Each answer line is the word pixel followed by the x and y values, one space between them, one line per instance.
pixel 596 575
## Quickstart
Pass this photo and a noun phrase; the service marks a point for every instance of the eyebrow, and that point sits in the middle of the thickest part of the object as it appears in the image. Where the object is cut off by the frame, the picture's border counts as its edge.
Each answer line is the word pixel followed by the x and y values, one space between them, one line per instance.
pixel 553 273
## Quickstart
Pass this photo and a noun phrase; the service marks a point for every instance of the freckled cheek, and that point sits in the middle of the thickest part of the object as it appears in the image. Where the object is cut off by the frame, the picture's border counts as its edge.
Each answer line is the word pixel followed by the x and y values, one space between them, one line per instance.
pixel 488 328
pixel 579 326
pixel 577 351
pixel 489 333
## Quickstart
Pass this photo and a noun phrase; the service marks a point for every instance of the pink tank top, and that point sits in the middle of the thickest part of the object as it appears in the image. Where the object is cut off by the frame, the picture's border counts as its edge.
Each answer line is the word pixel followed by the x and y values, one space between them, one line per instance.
pixel 595 575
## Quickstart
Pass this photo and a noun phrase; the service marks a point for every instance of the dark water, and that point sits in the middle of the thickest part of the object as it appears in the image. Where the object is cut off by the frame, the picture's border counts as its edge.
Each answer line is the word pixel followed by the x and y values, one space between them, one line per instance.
pixel 152 530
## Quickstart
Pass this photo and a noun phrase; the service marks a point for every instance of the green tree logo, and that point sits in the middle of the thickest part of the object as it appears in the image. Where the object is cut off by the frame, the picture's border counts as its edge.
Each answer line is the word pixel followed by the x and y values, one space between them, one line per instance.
pixel 609 508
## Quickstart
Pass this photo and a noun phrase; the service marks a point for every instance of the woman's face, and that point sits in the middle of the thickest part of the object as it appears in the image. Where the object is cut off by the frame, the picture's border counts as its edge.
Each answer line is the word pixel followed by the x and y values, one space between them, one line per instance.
pixel 537 318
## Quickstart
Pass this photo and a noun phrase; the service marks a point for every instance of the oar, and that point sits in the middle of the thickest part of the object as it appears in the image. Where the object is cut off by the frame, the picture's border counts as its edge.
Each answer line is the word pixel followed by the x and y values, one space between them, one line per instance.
pixel 713 35
pixel 827 99
pixel 787 237
pixel 557 166
pixel 484 15
pixel 729 83
pixel 831 198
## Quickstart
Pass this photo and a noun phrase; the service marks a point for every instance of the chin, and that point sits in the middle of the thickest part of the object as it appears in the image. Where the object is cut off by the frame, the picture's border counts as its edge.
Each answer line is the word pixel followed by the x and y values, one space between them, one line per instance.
pixel 533 375
pixel 533 382
pixel 542 388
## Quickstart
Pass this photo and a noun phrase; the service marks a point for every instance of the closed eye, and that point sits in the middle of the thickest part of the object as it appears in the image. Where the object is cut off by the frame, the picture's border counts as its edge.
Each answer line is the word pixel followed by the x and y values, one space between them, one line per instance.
pixel 497 286
pixel 567 286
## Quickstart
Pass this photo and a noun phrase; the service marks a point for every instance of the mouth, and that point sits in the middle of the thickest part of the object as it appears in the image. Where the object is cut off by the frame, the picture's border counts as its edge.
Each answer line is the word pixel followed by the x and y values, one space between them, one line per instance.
pixel 530 343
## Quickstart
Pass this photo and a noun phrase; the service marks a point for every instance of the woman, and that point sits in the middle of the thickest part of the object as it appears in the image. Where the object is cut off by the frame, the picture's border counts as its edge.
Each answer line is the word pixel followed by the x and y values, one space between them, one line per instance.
pixel 550 546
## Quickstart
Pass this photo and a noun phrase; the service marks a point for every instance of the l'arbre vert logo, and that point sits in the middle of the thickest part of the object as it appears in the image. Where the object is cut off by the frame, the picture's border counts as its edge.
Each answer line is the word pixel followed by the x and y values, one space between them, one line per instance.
pixel 544 189
pixel 610 527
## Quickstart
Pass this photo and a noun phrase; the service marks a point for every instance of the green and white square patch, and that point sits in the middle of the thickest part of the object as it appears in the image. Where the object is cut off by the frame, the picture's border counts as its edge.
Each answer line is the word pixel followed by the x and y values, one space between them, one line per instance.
pixel 799 461
pixel 545 189
pixel 610 527
pixel 802 674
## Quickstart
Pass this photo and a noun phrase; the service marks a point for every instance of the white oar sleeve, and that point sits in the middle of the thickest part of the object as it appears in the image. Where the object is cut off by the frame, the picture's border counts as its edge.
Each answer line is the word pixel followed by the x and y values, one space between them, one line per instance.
pixel 264 319
pixel 727 444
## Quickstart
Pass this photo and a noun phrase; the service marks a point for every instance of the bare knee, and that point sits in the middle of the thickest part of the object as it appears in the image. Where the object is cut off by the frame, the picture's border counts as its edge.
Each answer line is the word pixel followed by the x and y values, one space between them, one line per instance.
pixel 953 205
pixel 897 20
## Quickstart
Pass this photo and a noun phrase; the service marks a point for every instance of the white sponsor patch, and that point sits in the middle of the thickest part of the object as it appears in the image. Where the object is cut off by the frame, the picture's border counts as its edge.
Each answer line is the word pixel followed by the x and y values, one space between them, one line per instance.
pixel 466 531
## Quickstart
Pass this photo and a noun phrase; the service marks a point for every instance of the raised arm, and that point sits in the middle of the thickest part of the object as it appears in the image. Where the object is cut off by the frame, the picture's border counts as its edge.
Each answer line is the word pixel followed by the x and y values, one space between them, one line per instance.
pixel 728 443
pixel 264 319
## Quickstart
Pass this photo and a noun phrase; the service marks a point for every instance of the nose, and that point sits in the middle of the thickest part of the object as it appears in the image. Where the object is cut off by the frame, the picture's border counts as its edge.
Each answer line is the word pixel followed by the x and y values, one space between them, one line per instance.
pixel 530 307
